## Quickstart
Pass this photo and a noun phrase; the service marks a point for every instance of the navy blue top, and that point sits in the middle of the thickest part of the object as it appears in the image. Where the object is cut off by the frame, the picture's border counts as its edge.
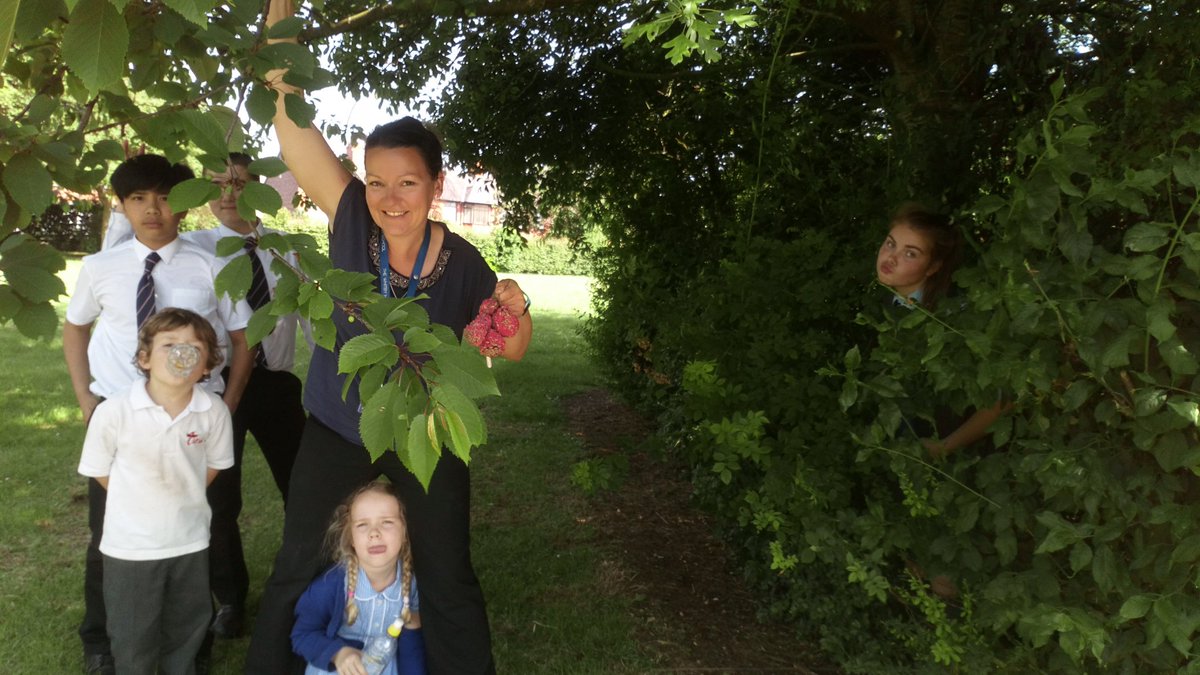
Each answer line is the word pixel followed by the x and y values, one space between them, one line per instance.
pixel 461 280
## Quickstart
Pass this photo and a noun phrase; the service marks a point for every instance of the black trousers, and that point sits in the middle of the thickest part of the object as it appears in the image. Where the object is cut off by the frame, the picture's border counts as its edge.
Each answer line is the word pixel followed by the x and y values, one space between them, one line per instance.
pixel 93 631
pixel 328 468
pixel 272 410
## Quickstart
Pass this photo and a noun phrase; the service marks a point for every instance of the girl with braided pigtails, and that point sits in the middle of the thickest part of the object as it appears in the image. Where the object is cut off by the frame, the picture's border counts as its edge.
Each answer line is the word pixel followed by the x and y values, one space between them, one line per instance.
pixel 370 587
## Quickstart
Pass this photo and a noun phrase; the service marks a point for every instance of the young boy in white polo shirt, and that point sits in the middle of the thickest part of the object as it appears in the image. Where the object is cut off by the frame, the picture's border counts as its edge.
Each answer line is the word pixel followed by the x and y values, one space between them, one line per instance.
pixel 115 291
pixel 155 447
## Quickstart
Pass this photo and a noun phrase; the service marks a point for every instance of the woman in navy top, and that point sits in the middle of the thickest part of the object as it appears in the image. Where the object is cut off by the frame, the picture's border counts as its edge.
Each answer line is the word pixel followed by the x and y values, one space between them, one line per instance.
pixel 379 225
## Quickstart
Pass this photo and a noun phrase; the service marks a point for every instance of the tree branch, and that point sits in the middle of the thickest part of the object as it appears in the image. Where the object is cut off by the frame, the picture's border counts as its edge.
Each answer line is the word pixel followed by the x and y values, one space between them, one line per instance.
pixel 393 12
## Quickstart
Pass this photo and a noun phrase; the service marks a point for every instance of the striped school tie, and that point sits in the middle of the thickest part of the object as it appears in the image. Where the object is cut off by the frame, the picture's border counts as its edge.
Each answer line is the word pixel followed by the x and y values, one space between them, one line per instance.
pixel 145 289
pixel 260 292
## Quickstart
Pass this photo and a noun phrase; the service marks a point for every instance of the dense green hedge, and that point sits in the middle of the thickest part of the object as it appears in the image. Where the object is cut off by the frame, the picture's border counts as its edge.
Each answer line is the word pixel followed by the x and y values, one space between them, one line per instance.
pixel 507 252
pixel 1072 534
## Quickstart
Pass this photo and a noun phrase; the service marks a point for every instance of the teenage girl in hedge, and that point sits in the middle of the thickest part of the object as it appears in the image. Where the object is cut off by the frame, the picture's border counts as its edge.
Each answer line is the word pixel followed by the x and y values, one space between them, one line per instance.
pixel 916 261
pixel 369 540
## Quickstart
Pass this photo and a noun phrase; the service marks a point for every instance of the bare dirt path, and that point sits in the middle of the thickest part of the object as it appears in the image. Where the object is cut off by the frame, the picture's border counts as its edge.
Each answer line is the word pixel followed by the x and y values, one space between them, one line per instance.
pixel 698 616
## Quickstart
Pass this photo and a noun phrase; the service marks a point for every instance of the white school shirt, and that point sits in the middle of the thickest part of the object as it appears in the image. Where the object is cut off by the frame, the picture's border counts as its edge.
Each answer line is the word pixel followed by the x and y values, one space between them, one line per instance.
pixel 106 292
pixel 280 346
pixel 157 470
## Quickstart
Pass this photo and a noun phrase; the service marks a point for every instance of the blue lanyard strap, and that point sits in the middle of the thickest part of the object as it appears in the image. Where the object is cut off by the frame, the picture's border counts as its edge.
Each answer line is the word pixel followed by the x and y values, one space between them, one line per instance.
pixel 385 267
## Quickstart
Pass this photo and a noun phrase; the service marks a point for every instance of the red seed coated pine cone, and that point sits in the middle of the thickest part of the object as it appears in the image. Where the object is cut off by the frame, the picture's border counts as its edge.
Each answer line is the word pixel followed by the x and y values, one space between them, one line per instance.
pixel 489 306
pixel 505 322
pixel 477 330
pixel 493 344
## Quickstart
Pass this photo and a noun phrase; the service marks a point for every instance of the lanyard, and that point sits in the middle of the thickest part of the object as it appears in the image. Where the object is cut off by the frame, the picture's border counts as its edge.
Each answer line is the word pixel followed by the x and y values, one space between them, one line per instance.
pixel 385 267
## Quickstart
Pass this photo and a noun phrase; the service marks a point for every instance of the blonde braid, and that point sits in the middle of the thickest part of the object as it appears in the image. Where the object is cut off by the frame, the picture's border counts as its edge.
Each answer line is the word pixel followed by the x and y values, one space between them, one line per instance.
pixel 351 563
pixel 406 581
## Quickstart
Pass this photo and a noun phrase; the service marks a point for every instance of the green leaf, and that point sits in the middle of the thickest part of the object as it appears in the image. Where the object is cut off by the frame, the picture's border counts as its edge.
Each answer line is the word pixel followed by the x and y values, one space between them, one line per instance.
pixel 460 442
pixel 1081 556
pixel 349 286
pixel 465 369
pixel 1178 358
pixel 1173 451
pixel 8 22
pixel 313 263
pixel 422 454
pixel 1188 410
pixel 1117 352
pixel 206 131
pixel 1104 568
pixel 1076 245
pixel 293 57
pixel 37 321
pixel 1077 394
pixel 320 306
pixel 10 304
pixel 466 410
pixel 375 422
pixel 227 246
pixel 288 27
pixel 31 269
pixel 192 193
pixel 420 341
pixel 94 43
pixel 234 278
pixel 1158 319
pixel 261 105
pixel 1061 533
pixel 367 350
pixel 261 324
pixel 299 111
pixel 268 166
pixel 1146 237
pixel 1186 551
pixel 29 183
pixel 370 380
pixel 1136 607
pixel 324 333
pixel 258 197
pixel 192 10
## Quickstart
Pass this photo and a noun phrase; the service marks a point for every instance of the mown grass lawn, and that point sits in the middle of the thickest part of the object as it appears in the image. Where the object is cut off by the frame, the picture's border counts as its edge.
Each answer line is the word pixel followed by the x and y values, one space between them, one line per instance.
pixel 552 608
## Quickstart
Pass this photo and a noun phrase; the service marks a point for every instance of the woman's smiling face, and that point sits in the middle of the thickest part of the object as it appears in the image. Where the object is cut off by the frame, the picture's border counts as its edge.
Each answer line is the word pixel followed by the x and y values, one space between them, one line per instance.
pixel 905 260
pixel 400 190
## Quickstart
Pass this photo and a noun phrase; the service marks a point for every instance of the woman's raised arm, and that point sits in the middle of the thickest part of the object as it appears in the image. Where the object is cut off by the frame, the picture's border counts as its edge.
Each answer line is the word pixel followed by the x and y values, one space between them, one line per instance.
pixel 305 150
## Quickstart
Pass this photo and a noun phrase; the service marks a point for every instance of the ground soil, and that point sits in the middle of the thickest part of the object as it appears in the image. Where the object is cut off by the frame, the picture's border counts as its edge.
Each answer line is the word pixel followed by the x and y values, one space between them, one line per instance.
pixel 698 615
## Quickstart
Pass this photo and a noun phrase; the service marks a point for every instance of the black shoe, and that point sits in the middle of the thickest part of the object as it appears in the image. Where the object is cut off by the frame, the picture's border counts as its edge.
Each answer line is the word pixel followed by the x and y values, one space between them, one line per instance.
pixel 98 664
pixel 227 624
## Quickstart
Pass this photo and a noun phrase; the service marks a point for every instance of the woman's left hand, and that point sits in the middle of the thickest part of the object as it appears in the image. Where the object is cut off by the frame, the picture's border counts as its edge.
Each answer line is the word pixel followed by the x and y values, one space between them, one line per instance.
pixel 510 296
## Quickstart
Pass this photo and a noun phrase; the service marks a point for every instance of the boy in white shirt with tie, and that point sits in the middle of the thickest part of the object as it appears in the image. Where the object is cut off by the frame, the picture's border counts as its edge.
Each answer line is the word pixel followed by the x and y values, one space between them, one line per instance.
pixel 116 290
pixel 270 408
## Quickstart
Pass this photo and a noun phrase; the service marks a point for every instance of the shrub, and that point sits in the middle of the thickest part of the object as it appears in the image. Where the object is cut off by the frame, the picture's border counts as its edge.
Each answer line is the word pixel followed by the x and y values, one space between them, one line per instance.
pixel 67 229
pixel 507 252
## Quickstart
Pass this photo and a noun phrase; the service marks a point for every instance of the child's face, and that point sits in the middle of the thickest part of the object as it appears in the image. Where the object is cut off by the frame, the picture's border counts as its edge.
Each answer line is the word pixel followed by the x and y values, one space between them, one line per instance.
pixel 377 531
pixel 231 182
pixel 154 224
pixel 905 260
pixel 156 362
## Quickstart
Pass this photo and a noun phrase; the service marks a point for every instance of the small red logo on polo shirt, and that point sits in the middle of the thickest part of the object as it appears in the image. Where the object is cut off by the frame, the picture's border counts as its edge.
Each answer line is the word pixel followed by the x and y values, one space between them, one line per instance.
pixel 194 439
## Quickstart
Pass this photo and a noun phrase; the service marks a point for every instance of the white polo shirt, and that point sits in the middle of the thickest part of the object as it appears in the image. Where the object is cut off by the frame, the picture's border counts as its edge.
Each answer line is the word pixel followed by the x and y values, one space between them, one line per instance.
pixel 106 293
pixel 280 346
pixel 157 470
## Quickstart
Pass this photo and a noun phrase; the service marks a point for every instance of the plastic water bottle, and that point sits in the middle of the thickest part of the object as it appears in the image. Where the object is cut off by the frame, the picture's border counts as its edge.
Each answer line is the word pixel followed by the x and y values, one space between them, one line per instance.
pixel 379 651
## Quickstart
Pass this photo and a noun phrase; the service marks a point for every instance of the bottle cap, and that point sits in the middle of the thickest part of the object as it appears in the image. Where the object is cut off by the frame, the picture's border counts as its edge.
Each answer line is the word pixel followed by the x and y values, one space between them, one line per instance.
pixel 395 628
